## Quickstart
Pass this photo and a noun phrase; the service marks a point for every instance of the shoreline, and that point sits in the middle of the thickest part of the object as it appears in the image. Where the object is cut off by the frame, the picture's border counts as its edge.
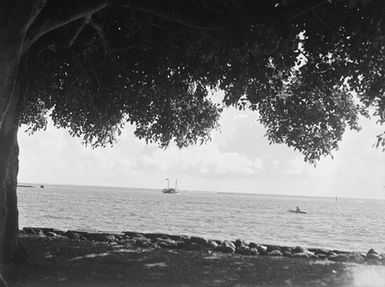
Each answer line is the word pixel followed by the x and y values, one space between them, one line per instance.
pixel 79 258
pixel 194 243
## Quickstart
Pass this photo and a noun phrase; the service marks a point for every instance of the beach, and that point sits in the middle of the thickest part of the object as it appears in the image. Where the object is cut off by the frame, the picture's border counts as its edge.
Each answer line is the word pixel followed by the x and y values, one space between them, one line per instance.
pixel 79 258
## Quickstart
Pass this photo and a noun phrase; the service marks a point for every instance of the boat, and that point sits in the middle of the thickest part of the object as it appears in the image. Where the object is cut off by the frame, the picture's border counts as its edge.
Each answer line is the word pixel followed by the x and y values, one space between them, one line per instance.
pixel 170 189
pixel 297 211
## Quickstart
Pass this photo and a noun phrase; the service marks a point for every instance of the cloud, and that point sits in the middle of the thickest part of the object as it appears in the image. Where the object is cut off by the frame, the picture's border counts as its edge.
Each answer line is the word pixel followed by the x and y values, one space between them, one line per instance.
pixel 296 166
pixel 241 116
pixel 202 160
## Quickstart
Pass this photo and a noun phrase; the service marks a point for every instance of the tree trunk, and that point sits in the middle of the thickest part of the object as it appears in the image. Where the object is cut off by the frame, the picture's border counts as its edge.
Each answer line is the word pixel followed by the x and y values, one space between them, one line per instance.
pixel 9 163
pixel 10 107
pixel 16 17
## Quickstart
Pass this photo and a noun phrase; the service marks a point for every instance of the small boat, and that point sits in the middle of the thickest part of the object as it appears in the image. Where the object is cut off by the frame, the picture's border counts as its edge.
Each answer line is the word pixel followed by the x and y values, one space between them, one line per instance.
pixel 170 189
pixel 297 211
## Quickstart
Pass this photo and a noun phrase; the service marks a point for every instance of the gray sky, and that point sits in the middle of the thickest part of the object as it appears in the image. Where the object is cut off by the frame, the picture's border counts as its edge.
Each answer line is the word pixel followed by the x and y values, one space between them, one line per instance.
pixel 239 159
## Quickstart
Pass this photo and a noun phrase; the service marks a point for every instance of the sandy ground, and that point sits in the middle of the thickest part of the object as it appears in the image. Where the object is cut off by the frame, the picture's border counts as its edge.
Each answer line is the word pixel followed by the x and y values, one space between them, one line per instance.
pixel 65 262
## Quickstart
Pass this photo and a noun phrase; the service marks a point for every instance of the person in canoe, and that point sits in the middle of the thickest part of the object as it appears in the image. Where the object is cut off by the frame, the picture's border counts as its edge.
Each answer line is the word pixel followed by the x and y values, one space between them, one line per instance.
pixel 297 210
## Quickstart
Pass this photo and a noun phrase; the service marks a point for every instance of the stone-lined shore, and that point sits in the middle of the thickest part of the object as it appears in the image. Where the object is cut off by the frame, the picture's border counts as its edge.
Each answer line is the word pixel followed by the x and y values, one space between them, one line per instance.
pixel 190 243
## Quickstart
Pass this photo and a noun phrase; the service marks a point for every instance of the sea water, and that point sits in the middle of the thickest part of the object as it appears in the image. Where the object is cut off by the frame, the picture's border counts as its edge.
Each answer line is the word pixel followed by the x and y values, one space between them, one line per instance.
pixel 344 224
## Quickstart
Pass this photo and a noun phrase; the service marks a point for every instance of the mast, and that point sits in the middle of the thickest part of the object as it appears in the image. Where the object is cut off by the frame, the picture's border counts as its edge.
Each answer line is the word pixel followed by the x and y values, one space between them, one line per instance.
pixel 176 182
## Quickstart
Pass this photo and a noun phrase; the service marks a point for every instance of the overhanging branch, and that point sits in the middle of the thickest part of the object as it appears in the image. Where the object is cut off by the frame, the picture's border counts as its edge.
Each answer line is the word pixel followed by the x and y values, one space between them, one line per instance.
pixel 100 32
pixel 188 15
pixel 23 15
pixel 59 13
pixel 84 22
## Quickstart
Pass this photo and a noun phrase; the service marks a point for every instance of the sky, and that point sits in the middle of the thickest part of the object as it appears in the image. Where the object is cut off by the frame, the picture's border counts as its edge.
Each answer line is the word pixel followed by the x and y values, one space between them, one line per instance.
pixel 238 159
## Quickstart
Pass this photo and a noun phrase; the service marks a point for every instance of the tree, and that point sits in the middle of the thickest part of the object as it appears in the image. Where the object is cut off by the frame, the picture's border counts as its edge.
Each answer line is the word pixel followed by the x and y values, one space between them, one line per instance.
pixel 308 68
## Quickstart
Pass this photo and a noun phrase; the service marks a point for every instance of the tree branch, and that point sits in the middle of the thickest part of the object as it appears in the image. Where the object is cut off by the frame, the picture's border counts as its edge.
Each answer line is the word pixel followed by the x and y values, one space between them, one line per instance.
pixel 59 13
pixel 309 9
pixel 124 49
pixel 323 23
pixel 2 282
pixel 188 15
pixel 101 35
pixel 23 15
pixel 84 22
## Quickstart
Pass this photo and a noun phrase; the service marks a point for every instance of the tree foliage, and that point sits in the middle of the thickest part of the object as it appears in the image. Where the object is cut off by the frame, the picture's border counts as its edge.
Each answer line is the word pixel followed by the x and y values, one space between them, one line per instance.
pixel 308 68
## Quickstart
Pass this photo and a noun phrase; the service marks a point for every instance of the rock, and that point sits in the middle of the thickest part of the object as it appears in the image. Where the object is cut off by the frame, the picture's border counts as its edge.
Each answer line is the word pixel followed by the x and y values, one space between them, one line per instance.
pixel 262 249
pixel 54 234
pixel 371 251
pixel 101 237
pixel 40 233
pixel 72 235
pixel 46 231
pixel 240 243
pixel 311 254
pixel 321 256
pixel 128 241
pixel 224 249
pixel 298 249
pixel 287 253
pixel 197 240
pixel 139 238
pixel 253 245
pixel 339 258
pixel 275 252
pixel 155 236
pixel 212 244
pixel 286 248
pixel 318 251
pixel 272 248
pixel 167 243
pixel 373 256
pixel 179 243
pixel 143 242
pixel 132 234
pixel 356 257
pixel 178 237
pixel 230 244
pixel 31 230
pixel 190 246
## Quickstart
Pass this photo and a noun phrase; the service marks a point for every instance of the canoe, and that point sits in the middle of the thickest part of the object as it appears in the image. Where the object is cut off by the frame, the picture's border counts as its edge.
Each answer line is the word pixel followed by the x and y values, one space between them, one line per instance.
pixel 295 211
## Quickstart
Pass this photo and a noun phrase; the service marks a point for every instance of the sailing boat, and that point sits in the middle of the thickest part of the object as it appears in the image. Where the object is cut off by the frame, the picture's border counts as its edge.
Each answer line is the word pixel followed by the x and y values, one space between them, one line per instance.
pixel 170 189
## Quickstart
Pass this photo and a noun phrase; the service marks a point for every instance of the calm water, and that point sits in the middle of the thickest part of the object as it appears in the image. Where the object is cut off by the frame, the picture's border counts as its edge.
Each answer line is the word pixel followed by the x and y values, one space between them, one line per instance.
pixel 346 224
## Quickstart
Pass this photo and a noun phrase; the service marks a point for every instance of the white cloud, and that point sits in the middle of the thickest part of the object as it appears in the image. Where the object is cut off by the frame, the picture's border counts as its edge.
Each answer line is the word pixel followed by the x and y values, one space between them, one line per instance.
pixel 208 159
pixel 297 166
pixel 241 116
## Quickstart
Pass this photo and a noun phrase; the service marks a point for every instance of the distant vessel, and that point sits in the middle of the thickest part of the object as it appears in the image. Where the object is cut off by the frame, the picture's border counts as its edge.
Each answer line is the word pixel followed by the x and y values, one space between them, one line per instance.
pixel 297 211
pixel 170 189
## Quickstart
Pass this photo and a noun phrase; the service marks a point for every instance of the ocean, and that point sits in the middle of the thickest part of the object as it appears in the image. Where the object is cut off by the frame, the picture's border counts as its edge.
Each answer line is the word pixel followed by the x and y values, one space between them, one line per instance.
pixel 343 224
